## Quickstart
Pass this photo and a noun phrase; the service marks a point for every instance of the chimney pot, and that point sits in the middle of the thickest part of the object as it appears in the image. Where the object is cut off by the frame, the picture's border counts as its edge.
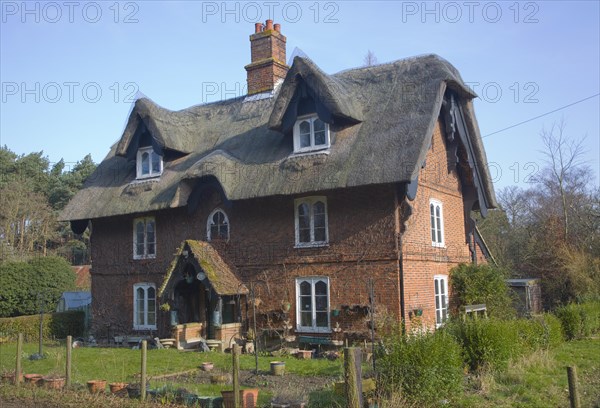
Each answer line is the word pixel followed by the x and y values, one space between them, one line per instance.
pixel 269 25
pixel 277 27
pixel 258 27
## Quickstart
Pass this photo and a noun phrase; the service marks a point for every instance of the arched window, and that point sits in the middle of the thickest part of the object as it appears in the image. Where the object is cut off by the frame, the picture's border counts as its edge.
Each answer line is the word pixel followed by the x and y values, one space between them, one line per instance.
pixel 312 304
pixel 310 133
pixel 144 306
pixel 217 226
pixel 311 221
pixel 149 163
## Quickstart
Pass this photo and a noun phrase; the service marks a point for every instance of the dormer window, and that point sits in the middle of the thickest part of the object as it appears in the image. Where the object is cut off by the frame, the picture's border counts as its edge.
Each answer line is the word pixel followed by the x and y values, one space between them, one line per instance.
pixel 310 133
pixel 149 163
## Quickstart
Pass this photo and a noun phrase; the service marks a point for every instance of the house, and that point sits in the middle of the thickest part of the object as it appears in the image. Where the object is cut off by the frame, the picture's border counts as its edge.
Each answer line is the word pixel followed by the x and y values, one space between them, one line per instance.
pixel 300 193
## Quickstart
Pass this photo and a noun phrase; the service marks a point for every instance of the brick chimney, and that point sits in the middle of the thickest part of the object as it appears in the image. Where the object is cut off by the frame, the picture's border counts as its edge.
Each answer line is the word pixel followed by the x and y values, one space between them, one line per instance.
pixel 267 66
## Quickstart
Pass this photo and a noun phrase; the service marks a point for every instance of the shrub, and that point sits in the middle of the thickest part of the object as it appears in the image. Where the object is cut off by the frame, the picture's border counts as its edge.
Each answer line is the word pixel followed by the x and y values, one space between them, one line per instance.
pixel 424 367
pixel 56 325
pixel 579 321
pixel 23 283
pixel 539 332
pixel 476 284
pixel 486 342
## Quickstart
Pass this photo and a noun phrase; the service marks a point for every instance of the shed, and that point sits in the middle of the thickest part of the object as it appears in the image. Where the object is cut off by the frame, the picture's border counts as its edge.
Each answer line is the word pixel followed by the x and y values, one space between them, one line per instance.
pixel 76 301
pixel 528 299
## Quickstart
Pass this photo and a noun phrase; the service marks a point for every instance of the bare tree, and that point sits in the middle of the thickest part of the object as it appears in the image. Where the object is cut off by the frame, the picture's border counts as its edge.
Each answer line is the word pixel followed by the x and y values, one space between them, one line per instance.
pixel 563 156
pixel 370 59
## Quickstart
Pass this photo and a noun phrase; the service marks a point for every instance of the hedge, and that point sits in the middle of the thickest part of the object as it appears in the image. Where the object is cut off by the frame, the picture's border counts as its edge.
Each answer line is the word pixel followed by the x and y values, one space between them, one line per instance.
pixel 56 325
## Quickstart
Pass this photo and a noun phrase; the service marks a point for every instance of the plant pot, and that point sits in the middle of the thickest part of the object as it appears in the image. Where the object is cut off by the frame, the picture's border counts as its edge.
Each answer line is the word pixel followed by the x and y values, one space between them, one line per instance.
pixel 207 366
pixel 9 378
pixel 335 312
pixel 117 387
pixel 33 379
pixel 54 383
pixel 248 398
pixel 96 386
pixel 277 367
pixel 304 354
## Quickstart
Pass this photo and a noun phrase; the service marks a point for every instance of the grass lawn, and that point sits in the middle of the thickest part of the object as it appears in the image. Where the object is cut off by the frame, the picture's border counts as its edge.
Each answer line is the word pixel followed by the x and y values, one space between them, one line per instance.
pixel 540 380
pixel 123 365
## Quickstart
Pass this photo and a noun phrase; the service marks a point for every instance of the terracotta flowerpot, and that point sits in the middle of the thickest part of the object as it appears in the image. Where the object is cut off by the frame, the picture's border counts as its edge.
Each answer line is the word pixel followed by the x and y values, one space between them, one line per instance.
pixel 248 398
pixel 54 383
pixel 33 379
pixel 117 387
pixel 96 386
pixel 207 366
pixel 9 378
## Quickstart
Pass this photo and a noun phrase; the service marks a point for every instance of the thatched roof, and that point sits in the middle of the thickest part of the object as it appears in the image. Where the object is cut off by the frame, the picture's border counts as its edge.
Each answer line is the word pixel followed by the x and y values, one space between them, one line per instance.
pixel 219 275
pixel 382 118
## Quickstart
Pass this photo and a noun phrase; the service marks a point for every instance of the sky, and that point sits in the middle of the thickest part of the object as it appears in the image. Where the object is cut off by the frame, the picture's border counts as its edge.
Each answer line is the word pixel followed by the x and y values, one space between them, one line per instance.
pixel 70 70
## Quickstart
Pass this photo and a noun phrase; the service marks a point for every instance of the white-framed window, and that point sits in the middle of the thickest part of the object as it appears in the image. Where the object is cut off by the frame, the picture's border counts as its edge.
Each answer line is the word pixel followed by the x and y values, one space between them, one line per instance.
pixel 440 283
pixel 310 133
pixel 312 305
pixel 311 221
pixel 144 238
pixel 217 225
pixel 144 306
pixel 436 216
pixel 148 163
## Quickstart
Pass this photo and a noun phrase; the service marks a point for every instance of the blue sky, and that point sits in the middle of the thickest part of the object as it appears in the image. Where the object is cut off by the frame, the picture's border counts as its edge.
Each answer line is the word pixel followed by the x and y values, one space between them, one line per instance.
pixel 70 70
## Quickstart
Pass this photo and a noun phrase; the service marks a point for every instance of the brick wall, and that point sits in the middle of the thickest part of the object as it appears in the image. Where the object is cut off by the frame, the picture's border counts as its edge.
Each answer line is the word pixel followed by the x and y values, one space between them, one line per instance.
pixel 362 243
pixel 421 260
pixel 268 60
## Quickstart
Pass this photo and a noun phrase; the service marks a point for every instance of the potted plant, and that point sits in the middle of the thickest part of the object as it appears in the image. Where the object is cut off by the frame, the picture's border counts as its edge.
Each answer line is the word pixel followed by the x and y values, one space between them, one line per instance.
pixel 8 376
pixel 96 386
pixel 277 367
pixel 54 381
pixel 33 379
pixel 117 387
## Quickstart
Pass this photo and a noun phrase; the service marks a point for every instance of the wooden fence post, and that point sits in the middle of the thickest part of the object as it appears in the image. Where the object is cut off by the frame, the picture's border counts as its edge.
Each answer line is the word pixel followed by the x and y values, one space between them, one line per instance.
pixel 353 377
pixel 573 391
pixel 235 352
pixel 68 368
pixel 143 373
pixel 18 360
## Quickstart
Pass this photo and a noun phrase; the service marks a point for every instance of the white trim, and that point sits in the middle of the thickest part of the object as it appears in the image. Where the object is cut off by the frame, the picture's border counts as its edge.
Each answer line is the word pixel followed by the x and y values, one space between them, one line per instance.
pixel 439 223
pixel 209 223
pixel 443 279
pixel 310 201
pixel 312 147
pixel 145 221
pixel 144 325
pixel 138 165
pixel 313 280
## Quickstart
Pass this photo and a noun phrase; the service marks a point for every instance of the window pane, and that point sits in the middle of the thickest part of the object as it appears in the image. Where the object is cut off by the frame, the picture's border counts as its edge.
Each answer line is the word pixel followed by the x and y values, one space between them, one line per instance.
pixel 319 125
pixel 145 163
pixel 438 316
pixel 223 231
pixel 319 208
pixel 304 235
pixel 139 238
pixel 306 319
pixel 322 319
pixel 214 231
pixel 305 289
pixel 155 163
pixel 140 302
pixel 303 223
pixel 439 236
pixel 321 288
pixel 437 286
pixel 150 238
pixel 305 140
pixel 304 127
pixel 218 218
pixel 320 235
pixel 320 139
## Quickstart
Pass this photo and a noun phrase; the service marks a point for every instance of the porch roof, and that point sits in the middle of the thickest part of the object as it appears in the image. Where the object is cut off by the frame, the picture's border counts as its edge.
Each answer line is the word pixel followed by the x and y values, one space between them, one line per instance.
pixel 220 276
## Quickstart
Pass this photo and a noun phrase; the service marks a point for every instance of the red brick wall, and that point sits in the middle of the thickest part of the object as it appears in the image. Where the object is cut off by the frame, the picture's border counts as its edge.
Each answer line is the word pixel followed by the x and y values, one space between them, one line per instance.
pixel 261 246
pixel 421 260
pixel 268 61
